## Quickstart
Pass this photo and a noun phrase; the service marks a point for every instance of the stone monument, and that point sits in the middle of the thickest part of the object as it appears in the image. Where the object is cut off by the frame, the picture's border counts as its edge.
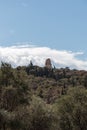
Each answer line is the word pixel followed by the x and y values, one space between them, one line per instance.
pixel 48 63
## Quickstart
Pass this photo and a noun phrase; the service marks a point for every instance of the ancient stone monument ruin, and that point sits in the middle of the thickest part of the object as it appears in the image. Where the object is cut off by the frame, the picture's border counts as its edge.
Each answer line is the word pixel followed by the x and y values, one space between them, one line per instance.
pixel 48 63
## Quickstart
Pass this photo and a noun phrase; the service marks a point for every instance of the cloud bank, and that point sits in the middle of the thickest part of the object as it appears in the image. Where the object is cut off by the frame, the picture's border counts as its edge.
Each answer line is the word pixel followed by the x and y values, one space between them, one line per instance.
pixel 22 55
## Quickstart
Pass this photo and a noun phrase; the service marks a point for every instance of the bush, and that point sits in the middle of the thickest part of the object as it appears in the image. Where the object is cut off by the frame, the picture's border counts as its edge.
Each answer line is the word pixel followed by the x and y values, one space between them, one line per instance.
pixel 72 110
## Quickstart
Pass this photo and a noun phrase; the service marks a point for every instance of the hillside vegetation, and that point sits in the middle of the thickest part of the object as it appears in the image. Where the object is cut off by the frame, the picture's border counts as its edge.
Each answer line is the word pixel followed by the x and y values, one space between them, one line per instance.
pixel 41 98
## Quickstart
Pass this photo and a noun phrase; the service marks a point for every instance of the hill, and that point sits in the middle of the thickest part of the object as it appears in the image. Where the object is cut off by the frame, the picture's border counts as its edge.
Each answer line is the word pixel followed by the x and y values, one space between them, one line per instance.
pixel 30 96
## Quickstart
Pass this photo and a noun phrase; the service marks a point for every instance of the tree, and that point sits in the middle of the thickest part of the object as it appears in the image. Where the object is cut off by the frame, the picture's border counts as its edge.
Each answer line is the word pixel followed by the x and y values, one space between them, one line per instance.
pixel 22 119
pixel 72 110
pixel 42 116
pixel 7 76
pixel 37 116
pixel 29 67
pixel 5 118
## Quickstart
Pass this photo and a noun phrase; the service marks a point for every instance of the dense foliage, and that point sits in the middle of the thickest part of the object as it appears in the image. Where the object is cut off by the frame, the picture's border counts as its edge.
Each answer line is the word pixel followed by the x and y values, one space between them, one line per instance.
pixel 41 98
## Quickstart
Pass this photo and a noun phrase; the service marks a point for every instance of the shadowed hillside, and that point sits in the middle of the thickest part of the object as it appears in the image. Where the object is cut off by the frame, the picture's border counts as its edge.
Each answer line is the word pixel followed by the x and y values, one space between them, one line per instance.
pixel 35 98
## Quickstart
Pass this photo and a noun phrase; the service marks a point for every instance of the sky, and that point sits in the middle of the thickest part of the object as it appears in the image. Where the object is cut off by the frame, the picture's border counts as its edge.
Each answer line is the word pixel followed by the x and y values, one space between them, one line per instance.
pixel 57 28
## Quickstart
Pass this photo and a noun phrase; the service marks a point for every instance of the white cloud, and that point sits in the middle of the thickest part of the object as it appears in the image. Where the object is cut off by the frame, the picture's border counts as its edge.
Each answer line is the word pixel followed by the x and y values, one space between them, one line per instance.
pixel 22 55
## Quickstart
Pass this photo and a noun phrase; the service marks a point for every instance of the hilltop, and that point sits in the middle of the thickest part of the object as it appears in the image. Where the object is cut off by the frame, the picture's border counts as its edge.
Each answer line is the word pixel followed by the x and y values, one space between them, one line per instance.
pixel 24 88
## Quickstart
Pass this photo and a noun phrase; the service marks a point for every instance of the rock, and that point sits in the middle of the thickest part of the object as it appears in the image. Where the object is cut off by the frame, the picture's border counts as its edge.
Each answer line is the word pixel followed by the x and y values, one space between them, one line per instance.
pixel 48 63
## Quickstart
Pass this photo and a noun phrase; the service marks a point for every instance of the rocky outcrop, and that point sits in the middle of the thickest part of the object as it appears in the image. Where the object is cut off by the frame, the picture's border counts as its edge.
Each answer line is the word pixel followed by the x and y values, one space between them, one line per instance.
pixel 48 63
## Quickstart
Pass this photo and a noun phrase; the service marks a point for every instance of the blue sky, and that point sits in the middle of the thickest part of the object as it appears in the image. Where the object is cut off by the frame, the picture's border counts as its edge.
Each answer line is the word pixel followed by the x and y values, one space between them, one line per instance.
pixel 57 24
